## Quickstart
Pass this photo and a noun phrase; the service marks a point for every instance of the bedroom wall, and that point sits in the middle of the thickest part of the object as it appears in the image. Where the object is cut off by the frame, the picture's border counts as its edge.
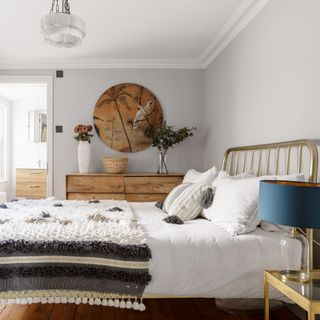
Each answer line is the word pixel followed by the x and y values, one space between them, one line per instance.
pixel 265 86
pixel 181 93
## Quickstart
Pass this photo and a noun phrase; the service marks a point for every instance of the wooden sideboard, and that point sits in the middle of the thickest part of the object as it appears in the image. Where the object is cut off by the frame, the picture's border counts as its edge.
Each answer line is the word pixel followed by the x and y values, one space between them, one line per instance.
pixel 128 186
pixel 31 183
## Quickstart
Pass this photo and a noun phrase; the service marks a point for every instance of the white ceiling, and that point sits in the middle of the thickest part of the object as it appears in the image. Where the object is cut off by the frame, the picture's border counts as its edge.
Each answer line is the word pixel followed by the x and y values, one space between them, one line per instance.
pixel 180 31
pixel 15 91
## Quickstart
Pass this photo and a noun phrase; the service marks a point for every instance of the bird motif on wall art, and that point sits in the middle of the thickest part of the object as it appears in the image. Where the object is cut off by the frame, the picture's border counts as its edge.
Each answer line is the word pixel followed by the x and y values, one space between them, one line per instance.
pixel 142 113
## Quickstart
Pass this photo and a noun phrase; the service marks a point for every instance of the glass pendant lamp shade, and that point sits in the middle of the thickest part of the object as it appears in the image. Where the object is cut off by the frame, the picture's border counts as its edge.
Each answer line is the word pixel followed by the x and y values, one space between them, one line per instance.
pixel 62 29
pixel 295 204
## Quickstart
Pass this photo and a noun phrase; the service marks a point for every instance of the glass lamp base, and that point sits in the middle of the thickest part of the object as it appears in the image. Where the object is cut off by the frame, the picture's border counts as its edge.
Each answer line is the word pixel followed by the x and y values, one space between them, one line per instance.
pixel 293 275
pixel 295 256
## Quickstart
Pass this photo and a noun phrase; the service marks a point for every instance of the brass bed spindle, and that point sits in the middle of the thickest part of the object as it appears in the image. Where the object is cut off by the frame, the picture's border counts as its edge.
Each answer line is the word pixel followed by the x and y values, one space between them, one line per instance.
pixel 231 163
pixel 259 163
pixel 268 161
pixel 300 159
pixel 252 161
pixel 244 162
pixel 288 160
pixel 277 161
pixel 237 164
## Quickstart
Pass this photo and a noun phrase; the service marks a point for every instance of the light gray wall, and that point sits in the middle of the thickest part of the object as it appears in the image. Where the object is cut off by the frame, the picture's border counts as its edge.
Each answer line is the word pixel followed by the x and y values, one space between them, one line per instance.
pixel 180 92
pixel 265 86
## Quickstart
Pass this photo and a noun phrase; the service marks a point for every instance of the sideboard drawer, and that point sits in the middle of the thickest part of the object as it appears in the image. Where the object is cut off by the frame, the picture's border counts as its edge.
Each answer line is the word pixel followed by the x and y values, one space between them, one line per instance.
pixel 139 187
pixel 31 190
pixel 95 196
pixel 95 184
pixel 31 183
pixel 31 175
pixel 151 184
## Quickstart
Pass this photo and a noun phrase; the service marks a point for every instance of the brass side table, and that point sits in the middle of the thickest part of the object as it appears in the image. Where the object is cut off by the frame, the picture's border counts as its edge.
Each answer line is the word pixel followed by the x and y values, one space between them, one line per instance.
pixel 306 295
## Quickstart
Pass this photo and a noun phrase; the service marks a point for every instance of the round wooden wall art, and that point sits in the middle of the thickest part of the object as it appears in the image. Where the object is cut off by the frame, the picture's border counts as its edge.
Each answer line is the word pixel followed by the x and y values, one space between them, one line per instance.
pixel 121 115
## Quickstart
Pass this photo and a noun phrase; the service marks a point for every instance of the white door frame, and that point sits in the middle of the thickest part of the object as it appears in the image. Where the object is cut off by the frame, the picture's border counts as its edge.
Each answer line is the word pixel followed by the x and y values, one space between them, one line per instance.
pixel 49 81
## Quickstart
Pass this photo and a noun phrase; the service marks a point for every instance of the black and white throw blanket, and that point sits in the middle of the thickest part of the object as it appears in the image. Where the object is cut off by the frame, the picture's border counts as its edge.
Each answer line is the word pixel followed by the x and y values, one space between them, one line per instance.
pixel 72 251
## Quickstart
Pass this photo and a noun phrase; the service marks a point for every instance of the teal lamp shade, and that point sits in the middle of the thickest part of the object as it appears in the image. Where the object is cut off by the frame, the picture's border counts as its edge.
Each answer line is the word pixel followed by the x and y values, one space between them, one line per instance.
pixel 294 204
pixel 290 203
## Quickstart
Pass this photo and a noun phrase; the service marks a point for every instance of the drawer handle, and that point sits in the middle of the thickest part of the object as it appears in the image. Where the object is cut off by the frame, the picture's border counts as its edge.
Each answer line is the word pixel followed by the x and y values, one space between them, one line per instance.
pixel 34 187
pixel 84 189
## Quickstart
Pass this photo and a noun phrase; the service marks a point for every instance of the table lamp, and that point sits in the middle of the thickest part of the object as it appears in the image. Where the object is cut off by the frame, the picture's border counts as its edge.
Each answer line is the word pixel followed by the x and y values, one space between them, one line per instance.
pixel 294 204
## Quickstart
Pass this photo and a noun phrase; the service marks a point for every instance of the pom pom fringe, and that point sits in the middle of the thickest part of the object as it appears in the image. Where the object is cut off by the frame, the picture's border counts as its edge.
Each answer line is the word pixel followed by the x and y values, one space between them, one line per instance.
pixel 207 198
pixel 173 220
pixel 159 204
pixel 45 297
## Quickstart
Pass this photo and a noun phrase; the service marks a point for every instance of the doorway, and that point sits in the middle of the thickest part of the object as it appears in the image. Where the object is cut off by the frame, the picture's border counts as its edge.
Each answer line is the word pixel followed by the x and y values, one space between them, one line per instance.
pixel 26 121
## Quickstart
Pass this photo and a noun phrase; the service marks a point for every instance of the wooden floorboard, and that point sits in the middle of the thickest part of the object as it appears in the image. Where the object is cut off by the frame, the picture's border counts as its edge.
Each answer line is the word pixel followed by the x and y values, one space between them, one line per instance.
pixel 63 312
pixel 160 309
pixel 157 309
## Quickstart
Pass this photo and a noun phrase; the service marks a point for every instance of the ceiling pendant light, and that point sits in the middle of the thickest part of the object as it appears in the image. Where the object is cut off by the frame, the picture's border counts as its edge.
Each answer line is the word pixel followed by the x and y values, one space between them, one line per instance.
pixel 62 29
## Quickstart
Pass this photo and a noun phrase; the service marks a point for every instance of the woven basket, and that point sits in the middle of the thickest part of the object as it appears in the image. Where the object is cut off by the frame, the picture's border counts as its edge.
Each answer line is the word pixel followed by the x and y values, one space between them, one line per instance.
pixel 115 164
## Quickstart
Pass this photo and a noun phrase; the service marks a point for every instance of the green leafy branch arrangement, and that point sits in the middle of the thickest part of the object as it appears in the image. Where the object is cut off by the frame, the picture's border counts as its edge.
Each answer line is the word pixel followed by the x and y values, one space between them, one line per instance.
pixel 166 137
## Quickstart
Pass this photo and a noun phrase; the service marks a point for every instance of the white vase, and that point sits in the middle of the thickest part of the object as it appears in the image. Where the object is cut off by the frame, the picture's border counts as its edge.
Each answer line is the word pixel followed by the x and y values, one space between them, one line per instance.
pixel 84 154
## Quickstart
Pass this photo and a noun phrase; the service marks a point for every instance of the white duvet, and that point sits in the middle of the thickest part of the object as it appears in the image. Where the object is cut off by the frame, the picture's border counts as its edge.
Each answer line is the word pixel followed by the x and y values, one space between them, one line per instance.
pixel 200 259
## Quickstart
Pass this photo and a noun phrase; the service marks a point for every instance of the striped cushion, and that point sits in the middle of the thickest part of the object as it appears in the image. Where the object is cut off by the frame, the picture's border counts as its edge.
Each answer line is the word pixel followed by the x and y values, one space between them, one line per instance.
pixel 185 201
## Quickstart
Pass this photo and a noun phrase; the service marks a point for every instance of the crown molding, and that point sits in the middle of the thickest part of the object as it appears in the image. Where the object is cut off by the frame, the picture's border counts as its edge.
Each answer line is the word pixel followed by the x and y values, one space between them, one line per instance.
pixel 235 24
pixel 102 64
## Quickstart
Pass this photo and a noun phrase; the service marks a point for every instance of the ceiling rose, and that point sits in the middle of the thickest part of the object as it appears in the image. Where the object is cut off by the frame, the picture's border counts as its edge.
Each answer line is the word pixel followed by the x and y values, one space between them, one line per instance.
pixel 61 28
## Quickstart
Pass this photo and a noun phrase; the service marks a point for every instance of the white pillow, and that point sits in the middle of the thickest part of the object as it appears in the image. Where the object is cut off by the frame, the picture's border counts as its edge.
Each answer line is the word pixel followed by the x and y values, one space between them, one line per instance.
pixel 234 207
pixel 194 176
pixel 224 177
pixel 235 202
pixel 186 201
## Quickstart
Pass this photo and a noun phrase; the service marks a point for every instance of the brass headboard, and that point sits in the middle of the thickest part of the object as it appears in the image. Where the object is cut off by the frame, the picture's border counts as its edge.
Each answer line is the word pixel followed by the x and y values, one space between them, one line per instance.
pixel 267 159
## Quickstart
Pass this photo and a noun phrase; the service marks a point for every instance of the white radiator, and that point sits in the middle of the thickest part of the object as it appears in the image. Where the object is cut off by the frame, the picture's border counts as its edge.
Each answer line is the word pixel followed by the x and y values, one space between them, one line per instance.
pixel 3 197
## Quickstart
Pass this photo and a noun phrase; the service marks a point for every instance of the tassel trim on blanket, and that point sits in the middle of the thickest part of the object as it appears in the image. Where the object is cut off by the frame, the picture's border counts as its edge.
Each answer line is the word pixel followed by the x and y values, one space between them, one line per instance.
pixel 173 219
pixel 207 198
pixel 91 298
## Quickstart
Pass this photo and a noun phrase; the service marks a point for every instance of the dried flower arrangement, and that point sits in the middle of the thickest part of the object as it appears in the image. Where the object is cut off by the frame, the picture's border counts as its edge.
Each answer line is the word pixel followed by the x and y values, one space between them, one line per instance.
pixel 83 132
